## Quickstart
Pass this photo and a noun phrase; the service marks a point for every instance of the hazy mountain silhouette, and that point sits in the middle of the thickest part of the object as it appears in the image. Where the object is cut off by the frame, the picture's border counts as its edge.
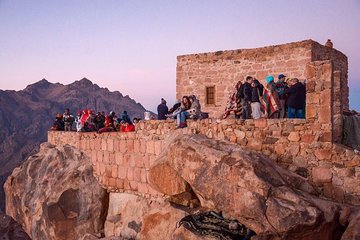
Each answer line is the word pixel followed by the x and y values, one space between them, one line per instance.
pixel 27 115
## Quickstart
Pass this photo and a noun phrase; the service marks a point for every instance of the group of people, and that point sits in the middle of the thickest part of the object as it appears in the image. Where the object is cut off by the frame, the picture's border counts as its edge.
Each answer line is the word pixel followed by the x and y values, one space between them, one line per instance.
pixel 250 99
pixel 282 99
pixel 87 121
pixel 187 108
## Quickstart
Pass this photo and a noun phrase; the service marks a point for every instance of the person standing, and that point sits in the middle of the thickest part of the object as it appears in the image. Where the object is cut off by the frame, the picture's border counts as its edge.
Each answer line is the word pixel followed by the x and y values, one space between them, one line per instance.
pixel 296 97
pixel 256 93
pixel 244 94
pixel 162 110
pixel 68 120
pixel 271 99
pixel 280 86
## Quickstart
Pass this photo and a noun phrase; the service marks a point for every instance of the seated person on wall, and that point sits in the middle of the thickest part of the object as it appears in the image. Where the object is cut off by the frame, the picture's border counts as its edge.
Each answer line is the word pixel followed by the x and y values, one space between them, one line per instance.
pixel 280 86
pixel 173 109
pixel 194 112
pixel 125 117
pixel 234 103
pixel 78 121
pixel 256 94
pixel 126 127
pixel 68 120
pixel 59 123
pixel 162 110
pixel 109 125
pixel 90 122
pixel 296 97
pixel 135 120
pixel 99 120
pixel 185 105
pixel 271 104
pixel 244 94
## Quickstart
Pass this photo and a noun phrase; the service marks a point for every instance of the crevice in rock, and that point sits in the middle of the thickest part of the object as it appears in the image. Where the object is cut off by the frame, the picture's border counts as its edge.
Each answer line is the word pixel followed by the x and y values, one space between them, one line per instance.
pixel 104 212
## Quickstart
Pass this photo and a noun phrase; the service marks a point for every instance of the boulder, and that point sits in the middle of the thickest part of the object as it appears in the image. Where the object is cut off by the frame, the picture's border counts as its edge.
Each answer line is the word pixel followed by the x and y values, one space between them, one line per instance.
pixel 54 195
pixel 135 217
pixel 249 187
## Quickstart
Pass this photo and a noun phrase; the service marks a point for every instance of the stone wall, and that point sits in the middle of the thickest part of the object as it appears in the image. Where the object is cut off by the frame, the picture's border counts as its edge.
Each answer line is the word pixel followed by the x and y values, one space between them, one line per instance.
pixel 121 160
pixel 223 69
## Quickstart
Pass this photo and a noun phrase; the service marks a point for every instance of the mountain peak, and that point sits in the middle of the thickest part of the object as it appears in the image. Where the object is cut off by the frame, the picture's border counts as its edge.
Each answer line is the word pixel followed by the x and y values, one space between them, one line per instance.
pixel 84 82
pixel 43 83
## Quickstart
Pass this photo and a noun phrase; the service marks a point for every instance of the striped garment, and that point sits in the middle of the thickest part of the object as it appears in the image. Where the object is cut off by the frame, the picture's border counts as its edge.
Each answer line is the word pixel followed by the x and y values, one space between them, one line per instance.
pixel 270 103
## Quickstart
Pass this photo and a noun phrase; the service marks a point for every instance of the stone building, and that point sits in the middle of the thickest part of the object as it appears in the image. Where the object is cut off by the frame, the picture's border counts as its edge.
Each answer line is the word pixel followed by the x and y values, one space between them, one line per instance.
pixel 212 76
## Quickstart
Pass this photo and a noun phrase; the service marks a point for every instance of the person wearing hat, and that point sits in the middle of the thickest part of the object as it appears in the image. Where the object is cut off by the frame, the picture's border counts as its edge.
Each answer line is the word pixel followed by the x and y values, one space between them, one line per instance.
pixel 162 110
pixel 271 103
pixel 280 86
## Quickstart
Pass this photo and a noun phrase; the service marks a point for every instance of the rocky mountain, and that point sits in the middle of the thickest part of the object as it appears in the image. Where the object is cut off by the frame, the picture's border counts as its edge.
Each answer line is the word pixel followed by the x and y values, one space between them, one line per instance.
pixel 27 115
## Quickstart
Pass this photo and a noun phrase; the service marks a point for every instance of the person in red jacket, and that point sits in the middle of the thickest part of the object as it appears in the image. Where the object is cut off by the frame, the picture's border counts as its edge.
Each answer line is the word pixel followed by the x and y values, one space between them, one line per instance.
pixel 126 127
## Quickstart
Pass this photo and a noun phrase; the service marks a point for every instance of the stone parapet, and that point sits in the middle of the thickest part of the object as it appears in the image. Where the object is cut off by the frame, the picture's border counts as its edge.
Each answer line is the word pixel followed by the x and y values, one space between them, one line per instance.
pixel 122 160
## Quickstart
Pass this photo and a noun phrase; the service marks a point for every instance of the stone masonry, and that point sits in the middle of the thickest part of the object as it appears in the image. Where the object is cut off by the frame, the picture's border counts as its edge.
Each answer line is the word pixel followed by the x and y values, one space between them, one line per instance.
pixel 309 147
pixel 121 161
pixel 223 69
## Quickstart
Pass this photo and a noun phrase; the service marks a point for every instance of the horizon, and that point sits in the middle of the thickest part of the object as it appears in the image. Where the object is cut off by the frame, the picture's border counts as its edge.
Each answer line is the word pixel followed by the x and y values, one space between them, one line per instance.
pixel 131 47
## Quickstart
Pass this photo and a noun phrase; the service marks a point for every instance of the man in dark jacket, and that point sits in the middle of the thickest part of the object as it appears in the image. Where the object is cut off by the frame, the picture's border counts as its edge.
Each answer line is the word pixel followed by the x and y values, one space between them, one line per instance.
pixel 244 94
pixel 280 87
pixel 162 110
pixel 256 92
pixel 296 97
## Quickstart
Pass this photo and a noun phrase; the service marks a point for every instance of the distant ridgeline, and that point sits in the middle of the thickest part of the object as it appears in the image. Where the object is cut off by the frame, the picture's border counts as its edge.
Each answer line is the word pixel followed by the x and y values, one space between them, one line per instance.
pixel 26 115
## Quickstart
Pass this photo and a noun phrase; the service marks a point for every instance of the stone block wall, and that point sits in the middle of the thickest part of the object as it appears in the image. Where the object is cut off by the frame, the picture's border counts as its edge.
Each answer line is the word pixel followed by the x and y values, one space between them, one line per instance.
pixel 223 69
pixel 121 160
pixel 340 65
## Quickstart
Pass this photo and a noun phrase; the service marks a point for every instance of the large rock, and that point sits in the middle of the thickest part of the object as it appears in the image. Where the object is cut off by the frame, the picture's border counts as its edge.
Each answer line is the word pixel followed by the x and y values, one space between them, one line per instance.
pixel 54 195
pixel 135 217
pixel 249 187
pixel 10 229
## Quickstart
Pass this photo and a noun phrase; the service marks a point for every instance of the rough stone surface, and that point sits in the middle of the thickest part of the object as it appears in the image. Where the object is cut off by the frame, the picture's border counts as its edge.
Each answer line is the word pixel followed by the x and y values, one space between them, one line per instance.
pixel 123 165
pixel 135 217
pixel 54 195
pixel 251 188
pixel 168 182
pixel 10 229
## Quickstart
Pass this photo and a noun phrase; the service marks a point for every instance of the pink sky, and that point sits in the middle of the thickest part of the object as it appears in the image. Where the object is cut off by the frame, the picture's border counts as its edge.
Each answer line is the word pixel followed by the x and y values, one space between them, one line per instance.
pixel 131 46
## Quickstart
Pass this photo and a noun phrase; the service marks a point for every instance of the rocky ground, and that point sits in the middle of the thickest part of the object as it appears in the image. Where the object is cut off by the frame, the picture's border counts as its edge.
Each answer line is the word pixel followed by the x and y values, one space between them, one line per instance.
pixel 55 196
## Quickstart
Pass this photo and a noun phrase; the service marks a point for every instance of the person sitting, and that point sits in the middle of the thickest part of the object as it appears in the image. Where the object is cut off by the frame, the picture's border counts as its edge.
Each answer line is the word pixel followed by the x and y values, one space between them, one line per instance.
pixel 113 118
pixel 125 117
pixel 109 125
pixel 135 120
pixel 271 101
pixel 126 127
pixel 78 122
pixel 296 95
pixel 99 121
pixel 162 110
pixel 185 105
pixel 90 124
pixel 256 94
pixel 59 123
pixel 175 107
pixel 194 112
pixel 68 119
